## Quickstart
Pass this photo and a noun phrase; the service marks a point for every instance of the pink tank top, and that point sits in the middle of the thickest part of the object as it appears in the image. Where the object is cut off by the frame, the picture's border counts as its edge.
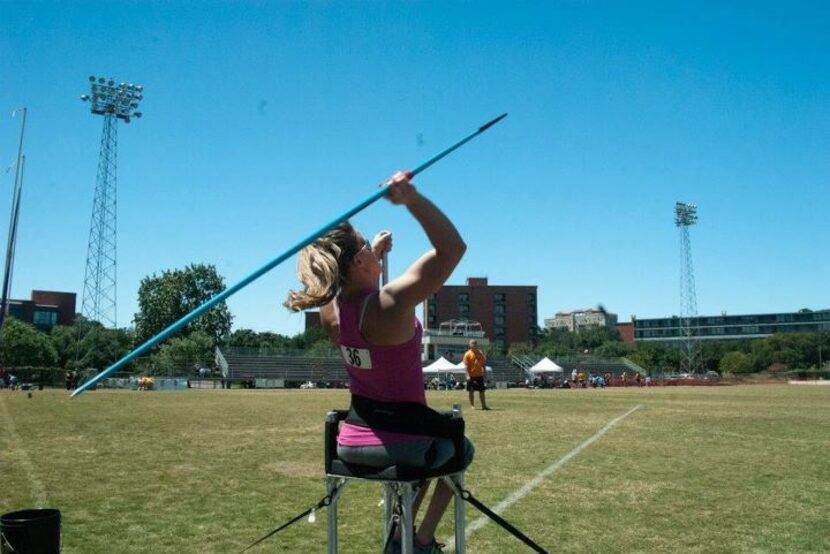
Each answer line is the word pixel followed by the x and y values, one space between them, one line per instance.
pixel 386 373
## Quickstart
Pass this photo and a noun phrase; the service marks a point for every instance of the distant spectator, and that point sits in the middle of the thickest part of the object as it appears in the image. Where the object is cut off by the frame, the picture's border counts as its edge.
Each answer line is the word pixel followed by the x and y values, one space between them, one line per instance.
pixel 146 383
pixel 474 362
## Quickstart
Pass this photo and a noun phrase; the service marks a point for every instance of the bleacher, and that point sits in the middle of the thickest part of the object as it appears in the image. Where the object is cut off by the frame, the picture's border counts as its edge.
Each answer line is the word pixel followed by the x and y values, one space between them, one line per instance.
pixel 290 368
pixel 247 365
pixel 505 372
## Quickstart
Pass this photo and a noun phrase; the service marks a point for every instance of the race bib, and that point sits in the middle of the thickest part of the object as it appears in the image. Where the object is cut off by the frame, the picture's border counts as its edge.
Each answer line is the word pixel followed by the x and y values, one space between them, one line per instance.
pixel 356 357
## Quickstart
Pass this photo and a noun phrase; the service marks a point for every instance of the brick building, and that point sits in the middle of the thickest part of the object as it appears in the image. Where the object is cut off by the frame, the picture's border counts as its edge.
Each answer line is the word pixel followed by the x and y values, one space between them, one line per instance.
pixel 507 314
pixel 45 309
pixel 626 331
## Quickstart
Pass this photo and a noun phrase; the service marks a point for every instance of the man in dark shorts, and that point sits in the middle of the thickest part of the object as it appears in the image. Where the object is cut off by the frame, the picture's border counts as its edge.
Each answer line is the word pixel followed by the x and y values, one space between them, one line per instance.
pixel 474 361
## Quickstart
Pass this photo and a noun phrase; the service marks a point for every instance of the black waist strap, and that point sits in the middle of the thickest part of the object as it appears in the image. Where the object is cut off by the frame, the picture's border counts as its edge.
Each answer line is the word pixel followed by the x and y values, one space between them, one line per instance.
pixel 401 417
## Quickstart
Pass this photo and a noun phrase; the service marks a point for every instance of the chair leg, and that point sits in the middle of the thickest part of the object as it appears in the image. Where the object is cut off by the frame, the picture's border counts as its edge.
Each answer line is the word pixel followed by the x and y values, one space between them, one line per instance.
pixel 331 511
pixel 388 508
pixel 404 493
pixel 457 479
pixel 407 494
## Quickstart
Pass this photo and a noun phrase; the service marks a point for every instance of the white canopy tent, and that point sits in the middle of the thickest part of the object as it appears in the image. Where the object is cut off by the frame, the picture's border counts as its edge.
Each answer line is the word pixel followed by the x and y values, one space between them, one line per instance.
pixel 443 365
pixel 546 365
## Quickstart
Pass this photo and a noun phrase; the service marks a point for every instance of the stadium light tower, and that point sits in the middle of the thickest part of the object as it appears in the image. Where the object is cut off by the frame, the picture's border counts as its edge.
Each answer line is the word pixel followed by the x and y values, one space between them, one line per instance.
pixel 114 102
pixel 685 215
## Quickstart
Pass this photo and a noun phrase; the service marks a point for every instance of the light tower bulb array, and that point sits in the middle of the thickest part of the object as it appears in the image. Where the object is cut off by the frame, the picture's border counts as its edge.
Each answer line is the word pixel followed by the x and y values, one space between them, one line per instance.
pixel 120 100
pixel 685 214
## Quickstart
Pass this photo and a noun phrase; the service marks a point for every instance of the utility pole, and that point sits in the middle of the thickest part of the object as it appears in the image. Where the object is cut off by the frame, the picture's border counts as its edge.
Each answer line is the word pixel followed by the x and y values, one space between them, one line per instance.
pixel 13 219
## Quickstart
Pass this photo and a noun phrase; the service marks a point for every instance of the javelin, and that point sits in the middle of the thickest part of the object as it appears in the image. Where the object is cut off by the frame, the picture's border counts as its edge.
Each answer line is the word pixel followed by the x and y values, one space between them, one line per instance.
pixel 172 328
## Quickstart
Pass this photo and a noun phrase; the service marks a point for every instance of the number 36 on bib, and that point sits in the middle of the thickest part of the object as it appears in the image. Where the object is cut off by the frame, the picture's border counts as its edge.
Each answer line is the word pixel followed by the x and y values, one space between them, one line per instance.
pixel 356 357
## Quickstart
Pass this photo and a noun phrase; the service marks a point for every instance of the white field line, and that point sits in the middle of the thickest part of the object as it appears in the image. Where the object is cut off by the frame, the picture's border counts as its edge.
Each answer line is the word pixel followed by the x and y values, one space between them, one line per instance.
pixel 536 481
pixel 37 490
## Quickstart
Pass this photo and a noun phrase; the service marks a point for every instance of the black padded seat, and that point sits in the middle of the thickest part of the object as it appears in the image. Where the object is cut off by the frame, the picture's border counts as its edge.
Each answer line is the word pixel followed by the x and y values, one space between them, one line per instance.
pixel 335 466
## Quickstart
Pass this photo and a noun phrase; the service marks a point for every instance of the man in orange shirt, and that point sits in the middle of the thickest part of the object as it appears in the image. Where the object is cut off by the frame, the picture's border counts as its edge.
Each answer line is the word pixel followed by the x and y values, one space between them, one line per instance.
pixel 474 363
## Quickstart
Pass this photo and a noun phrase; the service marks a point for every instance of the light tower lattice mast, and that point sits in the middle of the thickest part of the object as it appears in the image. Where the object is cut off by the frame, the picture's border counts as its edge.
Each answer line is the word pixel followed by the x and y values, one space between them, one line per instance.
pixel 685 215
pixel 113 102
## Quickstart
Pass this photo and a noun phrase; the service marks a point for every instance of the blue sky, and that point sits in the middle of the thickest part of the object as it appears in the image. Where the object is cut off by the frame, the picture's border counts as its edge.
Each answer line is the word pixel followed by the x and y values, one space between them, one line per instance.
pixel 264 120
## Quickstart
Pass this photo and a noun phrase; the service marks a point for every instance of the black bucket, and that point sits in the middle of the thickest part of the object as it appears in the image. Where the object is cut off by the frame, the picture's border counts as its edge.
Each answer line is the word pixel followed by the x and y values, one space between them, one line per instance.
pixel 31 532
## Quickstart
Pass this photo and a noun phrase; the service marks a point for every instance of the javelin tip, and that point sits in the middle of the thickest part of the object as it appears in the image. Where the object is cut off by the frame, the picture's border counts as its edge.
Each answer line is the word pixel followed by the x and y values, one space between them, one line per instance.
pixel 491 123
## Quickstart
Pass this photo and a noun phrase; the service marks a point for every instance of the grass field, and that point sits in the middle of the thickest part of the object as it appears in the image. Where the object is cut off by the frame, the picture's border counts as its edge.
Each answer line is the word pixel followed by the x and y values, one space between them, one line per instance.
pixel 691 469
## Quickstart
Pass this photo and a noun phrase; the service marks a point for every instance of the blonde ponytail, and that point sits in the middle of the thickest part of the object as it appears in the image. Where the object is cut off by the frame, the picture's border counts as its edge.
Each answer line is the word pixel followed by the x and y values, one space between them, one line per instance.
pixel 322 266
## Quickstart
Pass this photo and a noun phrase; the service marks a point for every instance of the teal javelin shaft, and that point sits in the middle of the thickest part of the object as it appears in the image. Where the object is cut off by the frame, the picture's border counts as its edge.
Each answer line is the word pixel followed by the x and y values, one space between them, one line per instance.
pixel 173 327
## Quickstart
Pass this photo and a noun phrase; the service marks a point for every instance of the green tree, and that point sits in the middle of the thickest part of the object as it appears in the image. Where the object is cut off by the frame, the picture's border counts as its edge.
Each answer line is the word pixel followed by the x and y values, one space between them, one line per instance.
pixel 613 349
pixel 806 346
pixel 735 362
pixel 23 345
pixel 165 299
pixel 183 355
pixel 101 347
pixel 248 338
pixel 309 337
pixel 655 357
pixel 823 348
pixel 243 338
pixel 786 349
pixel 314 341
pixel 520 349
pixel 794 350
pixel 556 343
pixel 712 351
pixel 268 339
pixel 562 342
pixel 67 340
pixel 591 338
